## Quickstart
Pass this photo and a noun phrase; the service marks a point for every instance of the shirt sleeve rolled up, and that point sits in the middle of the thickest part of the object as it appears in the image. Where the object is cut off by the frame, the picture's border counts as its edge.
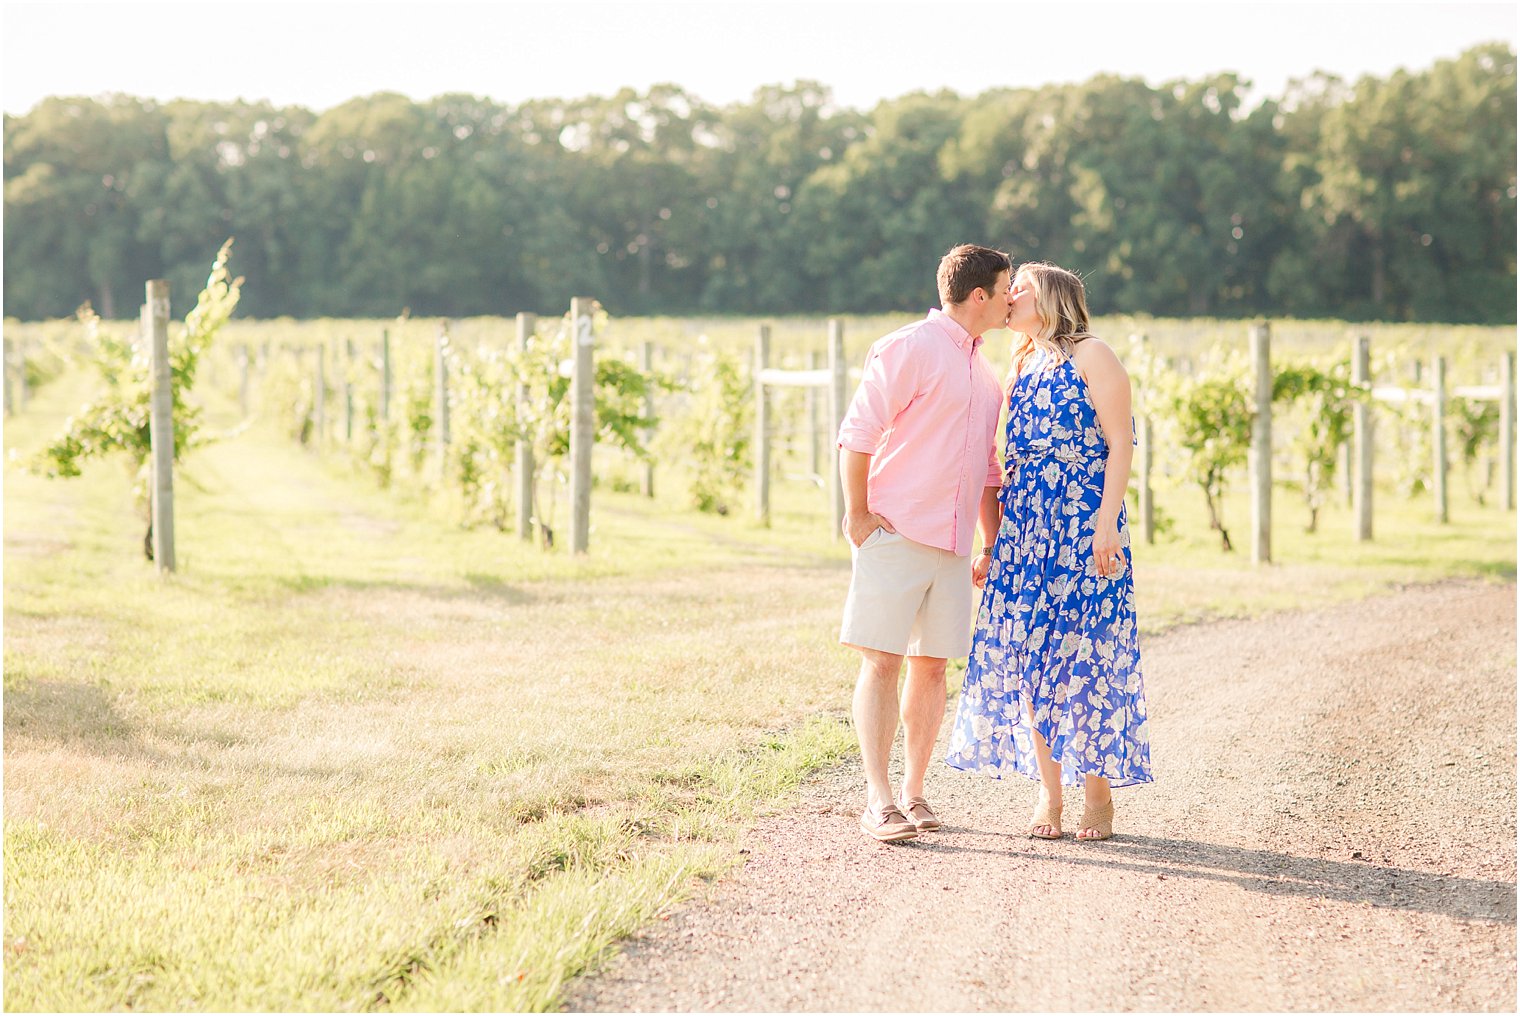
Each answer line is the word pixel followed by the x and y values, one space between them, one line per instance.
pixel 888 384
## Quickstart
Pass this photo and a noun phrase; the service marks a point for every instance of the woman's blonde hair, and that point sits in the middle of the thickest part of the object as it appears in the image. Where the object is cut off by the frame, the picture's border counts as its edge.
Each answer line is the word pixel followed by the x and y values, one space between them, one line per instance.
pixel 1060 300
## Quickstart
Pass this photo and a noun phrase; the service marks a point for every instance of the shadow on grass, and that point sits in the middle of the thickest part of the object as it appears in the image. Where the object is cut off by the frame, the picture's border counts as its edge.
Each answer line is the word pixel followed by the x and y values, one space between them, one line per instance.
pixel 479 586
pixel 756 548
pixel 484 584
pixel 83 717
pixel 1278 874
pixel 68 712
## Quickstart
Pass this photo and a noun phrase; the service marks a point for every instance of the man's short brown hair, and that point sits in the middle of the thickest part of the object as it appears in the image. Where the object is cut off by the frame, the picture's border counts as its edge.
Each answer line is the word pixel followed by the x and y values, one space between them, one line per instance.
pixel 968 267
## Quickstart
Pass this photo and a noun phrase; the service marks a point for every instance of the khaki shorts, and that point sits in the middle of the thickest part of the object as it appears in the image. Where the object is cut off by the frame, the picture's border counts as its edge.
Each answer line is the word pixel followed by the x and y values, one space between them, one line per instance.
pixel 907 598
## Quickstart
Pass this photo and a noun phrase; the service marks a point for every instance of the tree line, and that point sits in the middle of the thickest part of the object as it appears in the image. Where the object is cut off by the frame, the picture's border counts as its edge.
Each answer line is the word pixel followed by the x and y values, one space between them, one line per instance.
pixel 1384 199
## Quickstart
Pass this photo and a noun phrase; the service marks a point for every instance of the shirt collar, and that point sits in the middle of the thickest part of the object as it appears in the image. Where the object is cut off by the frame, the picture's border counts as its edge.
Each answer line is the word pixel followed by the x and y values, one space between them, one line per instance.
pixel 963 338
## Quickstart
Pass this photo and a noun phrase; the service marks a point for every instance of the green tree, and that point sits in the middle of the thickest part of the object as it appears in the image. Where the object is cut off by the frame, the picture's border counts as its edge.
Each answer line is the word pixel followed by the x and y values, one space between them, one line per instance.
pixel 763 153
pixel 72 169
pixel 1390 198
pixel 236 168
pixel 881 214
pixel 1415 191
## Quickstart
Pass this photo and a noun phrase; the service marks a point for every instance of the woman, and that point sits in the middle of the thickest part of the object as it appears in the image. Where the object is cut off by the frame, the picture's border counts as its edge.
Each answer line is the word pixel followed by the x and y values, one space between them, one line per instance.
pixel 1053 688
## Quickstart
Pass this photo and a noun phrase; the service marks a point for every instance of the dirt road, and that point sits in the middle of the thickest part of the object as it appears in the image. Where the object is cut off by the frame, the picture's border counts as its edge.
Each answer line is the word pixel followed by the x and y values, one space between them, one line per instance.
pixel 1332 828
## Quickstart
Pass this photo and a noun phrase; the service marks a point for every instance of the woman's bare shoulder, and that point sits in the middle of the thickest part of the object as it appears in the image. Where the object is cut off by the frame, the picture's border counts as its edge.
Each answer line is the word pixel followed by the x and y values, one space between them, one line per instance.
pixel 1093 356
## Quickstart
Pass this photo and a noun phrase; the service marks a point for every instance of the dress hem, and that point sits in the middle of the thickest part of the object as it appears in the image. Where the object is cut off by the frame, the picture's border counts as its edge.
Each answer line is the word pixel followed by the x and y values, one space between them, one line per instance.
pixel 995 771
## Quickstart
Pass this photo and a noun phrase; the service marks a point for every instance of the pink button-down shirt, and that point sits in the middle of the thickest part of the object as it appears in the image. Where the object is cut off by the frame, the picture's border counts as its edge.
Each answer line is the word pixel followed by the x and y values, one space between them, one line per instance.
pixel 926 412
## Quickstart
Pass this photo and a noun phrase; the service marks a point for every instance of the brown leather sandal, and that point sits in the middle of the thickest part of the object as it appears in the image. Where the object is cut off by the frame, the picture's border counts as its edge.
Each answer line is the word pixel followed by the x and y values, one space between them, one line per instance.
pixel 1046 813
pixel 1100 818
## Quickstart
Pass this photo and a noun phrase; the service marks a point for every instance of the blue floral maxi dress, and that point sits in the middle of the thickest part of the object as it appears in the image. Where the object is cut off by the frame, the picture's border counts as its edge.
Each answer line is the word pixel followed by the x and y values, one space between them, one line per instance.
pixel 1051 634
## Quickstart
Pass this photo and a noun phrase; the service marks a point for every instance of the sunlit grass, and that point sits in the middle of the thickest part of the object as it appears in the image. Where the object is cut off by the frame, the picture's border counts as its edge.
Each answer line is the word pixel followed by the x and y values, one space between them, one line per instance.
pixel 1187 577
pixel 350 746
pixel 353 756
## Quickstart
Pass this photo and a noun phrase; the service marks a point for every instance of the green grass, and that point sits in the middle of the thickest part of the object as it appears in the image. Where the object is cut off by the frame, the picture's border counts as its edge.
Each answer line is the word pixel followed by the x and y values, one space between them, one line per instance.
pixel 1186 577
pixel 348 748
pixel 353 756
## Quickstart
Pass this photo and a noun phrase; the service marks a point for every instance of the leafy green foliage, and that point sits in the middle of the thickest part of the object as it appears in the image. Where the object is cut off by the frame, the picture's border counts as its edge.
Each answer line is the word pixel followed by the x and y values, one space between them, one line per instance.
pixel 413 408
pixel 118 419
pixel 1391 198
pixel 544 418
pixel 1208 416
pixel 713 433
pixel 288 390
pixel 1323 398
pixel 487 420
pixel 1408 193
pixel 35 362
pixel 485 429
pixel 1475 423
pixel 1403 430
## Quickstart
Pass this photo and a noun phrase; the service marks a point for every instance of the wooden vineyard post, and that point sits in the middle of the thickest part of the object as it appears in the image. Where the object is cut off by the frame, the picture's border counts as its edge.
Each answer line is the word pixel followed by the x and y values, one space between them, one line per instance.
pixel 839 397
pixel 348 391
pixel 1361 437
pixel 810 381
pixel 1261 446
pixel 1146 454
pixel 10 390
pixel 815 363
pixel 23 390
pixel 244 366
pixel 1507 430
pixel 526 323
pixel 1438 436
pixel 385 376
pixel 319 398
pixel 441 396
pixel 155 326
pixel 582 422
pixel 646 364
pixel 1345 465
pixel 762 428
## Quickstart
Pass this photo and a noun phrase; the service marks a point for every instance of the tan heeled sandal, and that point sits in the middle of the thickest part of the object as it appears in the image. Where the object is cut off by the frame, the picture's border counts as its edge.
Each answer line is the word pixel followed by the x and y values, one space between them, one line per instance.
pixel 1046 813
pixel 1100 818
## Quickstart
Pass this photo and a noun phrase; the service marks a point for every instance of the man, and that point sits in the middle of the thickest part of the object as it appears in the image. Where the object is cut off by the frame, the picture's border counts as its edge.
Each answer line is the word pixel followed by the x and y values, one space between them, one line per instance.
pixel 918 458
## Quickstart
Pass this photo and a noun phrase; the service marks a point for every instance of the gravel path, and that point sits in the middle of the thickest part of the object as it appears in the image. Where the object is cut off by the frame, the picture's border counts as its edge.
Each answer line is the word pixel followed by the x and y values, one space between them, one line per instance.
pixel 1332 828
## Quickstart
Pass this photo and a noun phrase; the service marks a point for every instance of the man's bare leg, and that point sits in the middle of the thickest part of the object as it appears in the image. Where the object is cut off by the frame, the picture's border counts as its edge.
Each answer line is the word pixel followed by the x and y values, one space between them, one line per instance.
pixel 923 710
pixel 875 712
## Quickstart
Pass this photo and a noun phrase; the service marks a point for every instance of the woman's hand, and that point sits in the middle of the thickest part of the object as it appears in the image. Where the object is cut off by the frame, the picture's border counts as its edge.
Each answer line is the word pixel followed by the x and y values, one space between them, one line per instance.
pixel 1107 549
pixel 979 567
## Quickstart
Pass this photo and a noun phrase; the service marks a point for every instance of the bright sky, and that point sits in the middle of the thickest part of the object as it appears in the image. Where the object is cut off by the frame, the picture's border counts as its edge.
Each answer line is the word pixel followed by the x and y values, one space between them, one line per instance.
pixel 318 54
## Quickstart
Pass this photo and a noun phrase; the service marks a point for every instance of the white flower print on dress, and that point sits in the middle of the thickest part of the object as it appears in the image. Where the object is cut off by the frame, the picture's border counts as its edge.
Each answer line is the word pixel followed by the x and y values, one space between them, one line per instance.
pixel 1053 638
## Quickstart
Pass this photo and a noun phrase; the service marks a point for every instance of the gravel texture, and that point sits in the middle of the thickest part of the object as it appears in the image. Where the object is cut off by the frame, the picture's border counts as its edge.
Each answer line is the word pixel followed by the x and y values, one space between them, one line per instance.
pixel 1332 828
